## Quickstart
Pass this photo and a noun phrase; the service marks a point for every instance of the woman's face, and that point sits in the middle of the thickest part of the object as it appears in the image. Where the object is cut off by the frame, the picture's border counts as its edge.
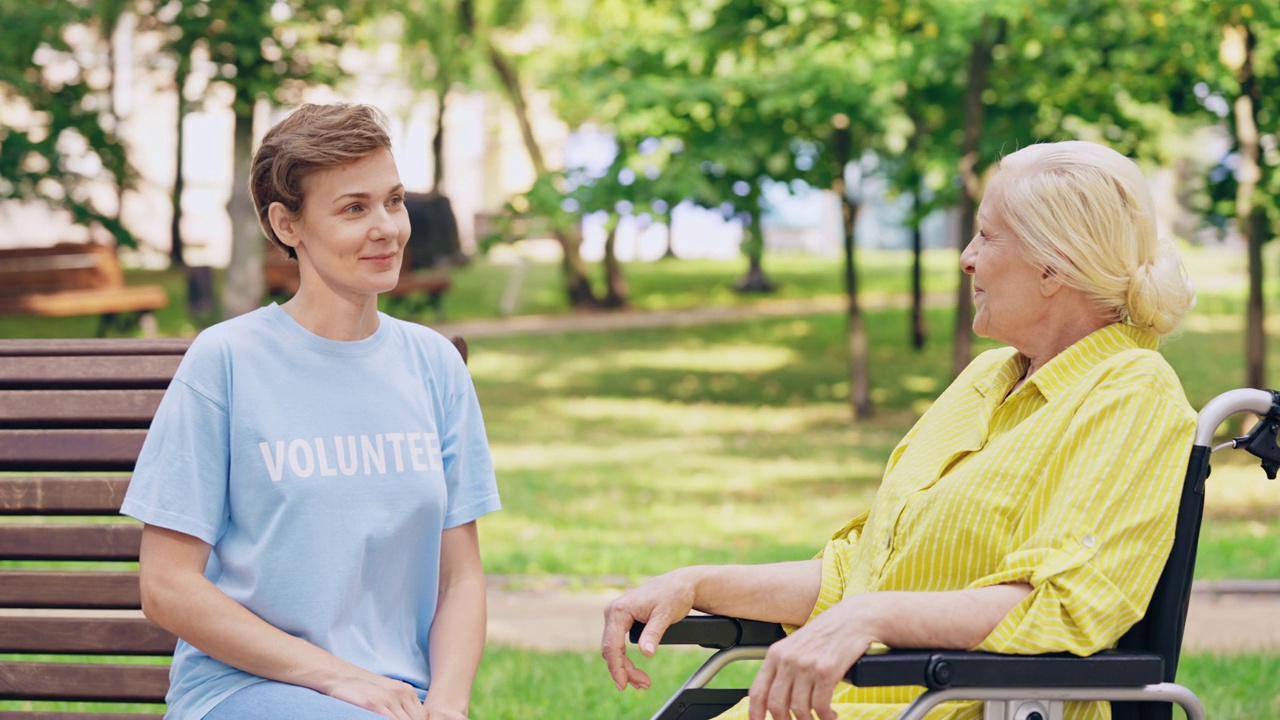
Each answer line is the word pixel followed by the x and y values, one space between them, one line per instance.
pixel 1008 304
pixel 353 227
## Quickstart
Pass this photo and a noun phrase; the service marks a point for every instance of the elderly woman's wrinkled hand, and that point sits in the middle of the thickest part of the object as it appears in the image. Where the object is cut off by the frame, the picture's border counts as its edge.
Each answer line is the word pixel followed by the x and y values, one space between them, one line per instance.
pixel 658 603
pixel 800 672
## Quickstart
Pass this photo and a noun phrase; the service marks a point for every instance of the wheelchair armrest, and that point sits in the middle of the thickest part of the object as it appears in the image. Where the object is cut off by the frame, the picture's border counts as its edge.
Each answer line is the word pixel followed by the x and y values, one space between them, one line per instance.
pixel 717 632
pixel 936 669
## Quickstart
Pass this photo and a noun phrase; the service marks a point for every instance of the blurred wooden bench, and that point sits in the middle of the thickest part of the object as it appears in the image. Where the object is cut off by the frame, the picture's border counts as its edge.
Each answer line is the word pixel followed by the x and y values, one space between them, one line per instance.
pixel 430 285
pixel 76 279
pixel 73 415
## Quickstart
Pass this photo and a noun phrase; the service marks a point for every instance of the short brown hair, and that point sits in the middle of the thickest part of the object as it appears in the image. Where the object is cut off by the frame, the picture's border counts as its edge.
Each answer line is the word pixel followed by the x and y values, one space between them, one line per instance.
pixel 313 137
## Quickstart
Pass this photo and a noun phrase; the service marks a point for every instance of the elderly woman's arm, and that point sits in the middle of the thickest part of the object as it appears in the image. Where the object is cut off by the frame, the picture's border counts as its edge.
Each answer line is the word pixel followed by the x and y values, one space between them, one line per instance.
pixel 800 672
pixel 781 592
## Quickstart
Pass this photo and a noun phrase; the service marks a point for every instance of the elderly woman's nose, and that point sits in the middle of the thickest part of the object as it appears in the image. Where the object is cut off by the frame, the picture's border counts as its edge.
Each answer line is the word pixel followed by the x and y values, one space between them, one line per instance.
pixel 969 256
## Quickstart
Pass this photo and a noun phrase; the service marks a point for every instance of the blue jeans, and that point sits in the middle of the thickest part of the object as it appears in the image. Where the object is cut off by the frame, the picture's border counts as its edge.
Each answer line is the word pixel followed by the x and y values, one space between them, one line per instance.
pixel 281 701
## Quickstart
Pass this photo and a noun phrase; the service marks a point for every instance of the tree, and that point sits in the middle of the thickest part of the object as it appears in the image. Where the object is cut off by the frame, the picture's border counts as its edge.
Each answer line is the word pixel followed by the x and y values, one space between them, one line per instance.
pixel 263 49
pixel 59 134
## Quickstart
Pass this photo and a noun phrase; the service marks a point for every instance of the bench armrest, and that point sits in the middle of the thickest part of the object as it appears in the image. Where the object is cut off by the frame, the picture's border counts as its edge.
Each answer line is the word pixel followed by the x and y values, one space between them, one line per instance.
pixel 936 669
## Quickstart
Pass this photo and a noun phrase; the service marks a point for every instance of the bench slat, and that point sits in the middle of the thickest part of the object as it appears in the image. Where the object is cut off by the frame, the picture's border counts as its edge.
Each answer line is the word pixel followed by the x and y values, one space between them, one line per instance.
pixel 75 590
pixel 76 495
pixel 70 542
pixel 78 408
pixel 85 450
pixel 84 682
pixel 69 303
pixel 79 632
pixel 59 348
pixel 88 372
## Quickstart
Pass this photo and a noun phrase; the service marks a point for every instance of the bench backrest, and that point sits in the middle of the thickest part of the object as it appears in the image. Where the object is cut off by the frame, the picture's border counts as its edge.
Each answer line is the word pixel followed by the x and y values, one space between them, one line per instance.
pixel 73 416
pixel 81 266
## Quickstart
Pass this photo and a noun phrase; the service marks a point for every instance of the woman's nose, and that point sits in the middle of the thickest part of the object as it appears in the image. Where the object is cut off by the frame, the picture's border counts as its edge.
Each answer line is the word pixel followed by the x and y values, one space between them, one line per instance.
pixel 969 256
pixel 384 226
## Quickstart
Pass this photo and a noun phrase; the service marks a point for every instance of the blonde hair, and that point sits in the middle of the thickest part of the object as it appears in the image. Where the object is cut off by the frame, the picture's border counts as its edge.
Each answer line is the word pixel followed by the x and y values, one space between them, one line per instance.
pixel 312 138
pixel 1084 211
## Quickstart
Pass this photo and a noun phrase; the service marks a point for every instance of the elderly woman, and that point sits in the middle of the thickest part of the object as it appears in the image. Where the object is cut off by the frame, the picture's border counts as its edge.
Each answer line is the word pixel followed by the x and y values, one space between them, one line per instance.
pixel 312 479
pixel 1032 508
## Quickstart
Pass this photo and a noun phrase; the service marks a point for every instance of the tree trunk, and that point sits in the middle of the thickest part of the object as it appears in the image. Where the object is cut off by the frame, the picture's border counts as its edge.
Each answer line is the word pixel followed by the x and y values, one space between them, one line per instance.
pixel 437 142
pixel 577 285
pixel 1251 219
pixel 616 290
pixel 917 287
pixel 243 289
pixel 176 258
pixel 970 170
pixel 755 281
pixel 859 372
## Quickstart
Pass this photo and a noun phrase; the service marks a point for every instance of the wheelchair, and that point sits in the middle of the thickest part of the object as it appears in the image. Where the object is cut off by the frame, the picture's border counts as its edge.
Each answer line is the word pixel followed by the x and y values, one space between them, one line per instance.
pixel 1137 677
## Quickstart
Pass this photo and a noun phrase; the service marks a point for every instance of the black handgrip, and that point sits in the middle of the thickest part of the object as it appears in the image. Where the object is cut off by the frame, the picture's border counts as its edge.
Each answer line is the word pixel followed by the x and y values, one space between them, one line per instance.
pixel 717 632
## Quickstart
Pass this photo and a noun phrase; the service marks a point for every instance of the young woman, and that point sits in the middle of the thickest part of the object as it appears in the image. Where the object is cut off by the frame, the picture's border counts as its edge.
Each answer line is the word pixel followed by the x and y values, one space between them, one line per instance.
pixel 311 482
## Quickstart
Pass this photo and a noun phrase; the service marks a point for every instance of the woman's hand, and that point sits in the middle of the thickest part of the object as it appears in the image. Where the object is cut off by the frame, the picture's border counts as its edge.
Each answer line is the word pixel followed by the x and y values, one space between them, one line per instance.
pixel 389 698
pixel 442 711
pixel 658 603
pixel 800 672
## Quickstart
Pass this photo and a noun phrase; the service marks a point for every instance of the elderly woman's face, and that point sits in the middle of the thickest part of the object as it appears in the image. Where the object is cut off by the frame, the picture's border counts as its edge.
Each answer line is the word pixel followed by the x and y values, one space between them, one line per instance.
pixel 1008 305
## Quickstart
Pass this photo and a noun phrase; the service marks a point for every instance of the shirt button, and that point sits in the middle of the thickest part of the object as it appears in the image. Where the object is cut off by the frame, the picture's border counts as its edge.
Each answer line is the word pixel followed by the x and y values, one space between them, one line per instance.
pixel 888 539
pixel 1089 541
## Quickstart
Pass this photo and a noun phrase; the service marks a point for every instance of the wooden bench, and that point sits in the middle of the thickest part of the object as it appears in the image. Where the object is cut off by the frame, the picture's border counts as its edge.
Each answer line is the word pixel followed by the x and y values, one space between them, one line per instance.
pixel 71 280
pixel 281 278
pixel 73 415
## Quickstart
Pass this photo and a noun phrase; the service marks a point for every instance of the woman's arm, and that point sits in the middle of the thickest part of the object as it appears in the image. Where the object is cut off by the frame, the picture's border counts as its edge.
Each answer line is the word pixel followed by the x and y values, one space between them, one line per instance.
pixel 177 597
pixel 457 634
pixel 781 592
pixel 800 673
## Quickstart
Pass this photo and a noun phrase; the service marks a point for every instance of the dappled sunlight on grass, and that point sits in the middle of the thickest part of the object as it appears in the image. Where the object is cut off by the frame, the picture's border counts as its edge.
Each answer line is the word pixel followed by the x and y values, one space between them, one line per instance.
pixel 1241 491
pixel 738 358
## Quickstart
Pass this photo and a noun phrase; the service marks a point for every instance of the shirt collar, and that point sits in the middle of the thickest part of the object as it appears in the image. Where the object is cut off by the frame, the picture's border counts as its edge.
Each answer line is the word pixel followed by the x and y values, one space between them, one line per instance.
pixel 1071 364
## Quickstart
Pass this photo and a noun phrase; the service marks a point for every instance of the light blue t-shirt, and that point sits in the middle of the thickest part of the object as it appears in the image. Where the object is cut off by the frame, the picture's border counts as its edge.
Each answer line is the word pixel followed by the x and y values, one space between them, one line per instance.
pixel 323 474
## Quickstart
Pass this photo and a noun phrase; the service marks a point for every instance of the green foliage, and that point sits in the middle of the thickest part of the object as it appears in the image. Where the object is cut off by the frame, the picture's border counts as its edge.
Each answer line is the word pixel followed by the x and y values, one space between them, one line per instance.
pixel 57 132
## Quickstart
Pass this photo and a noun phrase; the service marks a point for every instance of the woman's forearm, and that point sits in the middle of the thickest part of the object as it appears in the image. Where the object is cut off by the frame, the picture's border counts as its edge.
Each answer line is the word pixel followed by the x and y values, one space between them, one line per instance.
pixel 177 597
pixel 457 641
pixel 955 620
pixel 779 592
pixel 458 631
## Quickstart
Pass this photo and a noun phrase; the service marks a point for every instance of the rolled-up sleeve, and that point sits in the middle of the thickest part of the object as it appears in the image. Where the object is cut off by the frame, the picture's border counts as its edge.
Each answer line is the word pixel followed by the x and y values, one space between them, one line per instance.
pixel 1099 530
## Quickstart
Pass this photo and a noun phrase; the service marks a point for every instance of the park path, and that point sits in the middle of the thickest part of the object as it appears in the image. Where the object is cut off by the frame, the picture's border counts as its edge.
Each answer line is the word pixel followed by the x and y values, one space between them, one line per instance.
pixel 1223 617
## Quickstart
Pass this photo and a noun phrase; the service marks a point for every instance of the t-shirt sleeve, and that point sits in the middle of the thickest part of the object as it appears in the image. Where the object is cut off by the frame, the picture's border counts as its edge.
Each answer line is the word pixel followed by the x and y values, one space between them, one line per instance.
pixel 464 449
pixel 181 479
pixel 1103 533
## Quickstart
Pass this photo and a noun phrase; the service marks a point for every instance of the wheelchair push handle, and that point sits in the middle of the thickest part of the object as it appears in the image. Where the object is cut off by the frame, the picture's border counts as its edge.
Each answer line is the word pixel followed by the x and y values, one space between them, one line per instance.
pixel 1261 441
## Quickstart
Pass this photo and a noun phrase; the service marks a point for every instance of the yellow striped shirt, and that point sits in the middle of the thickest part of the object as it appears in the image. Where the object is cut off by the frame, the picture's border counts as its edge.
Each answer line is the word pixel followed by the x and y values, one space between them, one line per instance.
pixel 1070 483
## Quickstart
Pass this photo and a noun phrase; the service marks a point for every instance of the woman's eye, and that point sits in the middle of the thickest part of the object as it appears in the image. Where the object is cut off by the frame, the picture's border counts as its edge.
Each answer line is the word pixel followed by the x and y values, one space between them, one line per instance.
pixel 352 209
pixel 396 200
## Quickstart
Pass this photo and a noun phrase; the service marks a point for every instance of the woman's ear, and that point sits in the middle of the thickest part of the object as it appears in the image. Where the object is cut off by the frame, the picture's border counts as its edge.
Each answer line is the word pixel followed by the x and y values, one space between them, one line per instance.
pixel 1049 282
pixel 284 223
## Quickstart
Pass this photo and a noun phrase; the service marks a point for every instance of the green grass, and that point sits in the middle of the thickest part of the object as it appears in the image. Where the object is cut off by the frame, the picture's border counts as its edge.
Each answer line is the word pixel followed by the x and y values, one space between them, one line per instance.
pixel 516 684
